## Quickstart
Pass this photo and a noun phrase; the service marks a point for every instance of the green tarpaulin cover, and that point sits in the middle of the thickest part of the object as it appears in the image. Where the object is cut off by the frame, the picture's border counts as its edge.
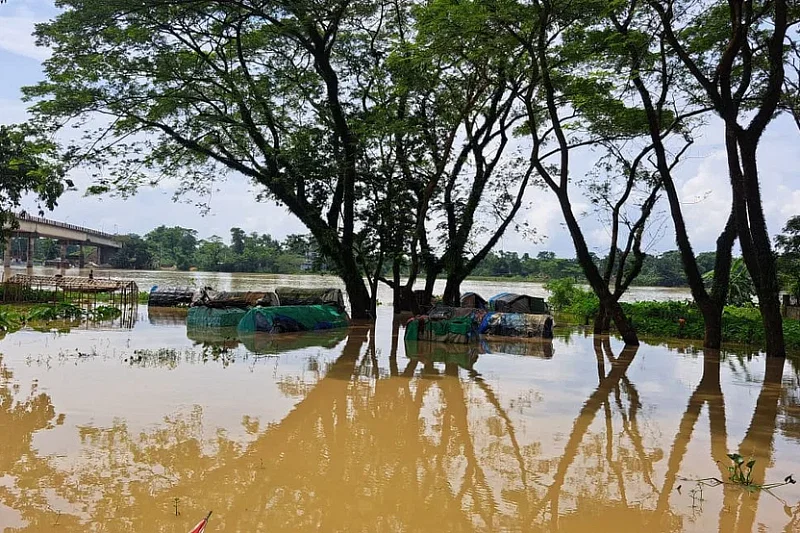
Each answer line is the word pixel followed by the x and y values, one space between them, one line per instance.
pixel 211 317
pixel 293 318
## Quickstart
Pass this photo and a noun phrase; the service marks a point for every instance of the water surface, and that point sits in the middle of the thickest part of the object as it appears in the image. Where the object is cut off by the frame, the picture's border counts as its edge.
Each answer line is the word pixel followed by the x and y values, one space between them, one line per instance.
pixel 147 429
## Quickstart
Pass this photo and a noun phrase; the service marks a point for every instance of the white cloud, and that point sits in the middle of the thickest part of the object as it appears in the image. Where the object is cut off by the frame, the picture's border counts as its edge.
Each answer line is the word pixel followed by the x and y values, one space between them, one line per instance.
pixel 706 201
pixel 17 37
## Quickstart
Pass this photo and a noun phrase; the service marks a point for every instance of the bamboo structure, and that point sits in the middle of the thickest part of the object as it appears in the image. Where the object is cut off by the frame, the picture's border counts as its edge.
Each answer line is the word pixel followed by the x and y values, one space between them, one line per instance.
pixel 24 288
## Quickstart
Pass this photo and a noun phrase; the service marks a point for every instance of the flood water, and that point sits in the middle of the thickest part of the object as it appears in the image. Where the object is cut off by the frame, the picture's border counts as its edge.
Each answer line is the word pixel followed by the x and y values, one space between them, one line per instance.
pixel 237 281
pixel 149 428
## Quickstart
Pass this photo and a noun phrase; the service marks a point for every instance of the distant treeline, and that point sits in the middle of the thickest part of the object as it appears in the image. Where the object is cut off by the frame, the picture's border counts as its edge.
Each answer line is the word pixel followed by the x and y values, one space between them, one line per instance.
pixel 176 247
pixel 180 248
pixel 663 270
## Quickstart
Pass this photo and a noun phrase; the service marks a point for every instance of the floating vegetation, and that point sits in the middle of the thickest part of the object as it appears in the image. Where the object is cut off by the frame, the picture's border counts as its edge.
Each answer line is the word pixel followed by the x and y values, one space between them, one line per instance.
pixel 9 320
pixel 740 473
pixel 168 357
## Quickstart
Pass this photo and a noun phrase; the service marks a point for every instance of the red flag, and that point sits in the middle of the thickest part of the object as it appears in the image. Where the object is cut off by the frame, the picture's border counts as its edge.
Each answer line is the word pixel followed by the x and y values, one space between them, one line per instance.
pixel 201 527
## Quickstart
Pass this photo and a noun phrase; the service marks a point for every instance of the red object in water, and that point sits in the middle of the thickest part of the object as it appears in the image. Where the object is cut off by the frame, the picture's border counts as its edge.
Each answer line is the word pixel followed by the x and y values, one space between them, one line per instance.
pixel 201 527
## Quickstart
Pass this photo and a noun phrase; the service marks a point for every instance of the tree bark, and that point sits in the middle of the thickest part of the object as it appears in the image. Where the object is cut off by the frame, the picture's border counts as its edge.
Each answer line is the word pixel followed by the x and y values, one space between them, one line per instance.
pixel 452 290
pixel 758 257
pixel 712 319
pixel 624 326
pixel 602 321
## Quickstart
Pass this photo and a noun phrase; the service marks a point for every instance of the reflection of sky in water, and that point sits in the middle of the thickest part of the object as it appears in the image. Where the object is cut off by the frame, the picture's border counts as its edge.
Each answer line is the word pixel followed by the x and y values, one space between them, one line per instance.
pixel 319 435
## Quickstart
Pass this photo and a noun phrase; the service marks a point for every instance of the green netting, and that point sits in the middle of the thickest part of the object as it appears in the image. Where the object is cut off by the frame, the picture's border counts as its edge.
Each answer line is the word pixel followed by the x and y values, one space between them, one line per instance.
pixel 292 318
pixel 210 317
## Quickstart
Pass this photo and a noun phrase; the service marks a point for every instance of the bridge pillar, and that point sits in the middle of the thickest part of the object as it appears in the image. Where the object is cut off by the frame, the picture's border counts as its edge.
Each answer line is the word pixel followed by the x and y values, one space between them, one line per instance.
pixel 99 255
pixel 7 258
pixel 30 250
pixel 63 261
pixel 81 257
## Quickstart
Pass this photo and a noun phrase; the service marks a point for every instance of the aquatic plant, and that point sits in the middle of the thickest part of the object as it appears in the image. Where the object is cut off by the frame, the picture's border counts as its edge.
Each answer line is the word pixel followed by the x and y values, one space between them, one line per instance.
pixel 742 325
pixel 740 473
pixel 54 311
pixel 10 320
pixel 736 470
pixel 103 312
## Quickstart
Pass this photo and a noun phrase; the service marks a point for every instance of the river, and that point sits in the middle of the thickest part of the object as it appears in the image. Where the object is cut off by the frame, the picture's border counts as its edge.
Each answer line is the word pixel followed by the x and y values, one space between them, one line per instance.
pixel 148 428
pixel 226 281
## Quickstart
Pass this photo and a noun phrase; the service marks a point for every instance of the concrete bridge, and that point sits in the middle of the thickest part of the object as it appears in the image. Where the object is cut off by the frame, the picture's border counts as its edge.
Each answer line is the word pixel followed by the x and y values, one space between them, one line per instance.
pixel 35 227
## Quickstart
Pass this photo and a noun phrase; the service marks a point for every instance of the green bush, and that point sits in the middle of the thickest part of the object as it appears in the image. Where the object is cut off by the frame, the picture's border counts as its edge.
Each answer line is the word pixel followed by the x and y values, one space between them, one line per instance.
pixel 741 325
pixel 567 298
pixel 675 319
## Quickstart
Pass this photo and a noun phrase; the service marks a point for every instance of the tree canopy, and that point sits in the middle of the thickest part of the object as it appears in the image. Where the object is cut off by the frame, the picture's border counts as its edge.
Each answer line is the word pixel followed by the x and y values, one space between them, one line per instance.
pixel 28 165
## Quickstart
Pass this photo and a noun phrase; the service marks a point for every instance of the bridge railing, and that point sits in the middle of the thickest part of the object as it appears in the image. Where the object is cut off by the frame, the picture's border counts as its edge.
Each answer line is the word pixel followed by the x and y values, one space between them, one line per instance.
pixel 41 220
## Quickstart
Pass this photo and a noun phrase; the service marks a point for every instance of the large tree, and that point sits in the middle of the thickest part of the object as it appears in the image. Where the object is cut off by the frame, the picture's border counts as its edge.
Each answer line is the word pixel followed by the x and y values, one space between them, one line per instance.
pixel 627 34
pixel 574 102
pixel 735 52
pixel 194 89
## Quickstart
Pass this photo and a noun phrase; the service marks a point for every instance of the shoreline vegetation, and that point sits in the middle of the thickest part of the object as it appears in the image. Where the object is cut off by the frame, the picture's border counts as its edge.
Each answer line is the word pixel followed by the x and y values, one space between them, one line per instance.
pixel 669 319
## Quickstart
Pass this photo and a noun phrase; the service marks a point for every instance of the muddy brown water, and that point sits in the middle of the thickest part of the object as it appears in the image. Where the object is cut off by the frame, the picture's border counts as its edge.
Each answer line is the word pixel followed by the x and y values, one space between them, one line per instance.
pixel 237 281
pixel 147 429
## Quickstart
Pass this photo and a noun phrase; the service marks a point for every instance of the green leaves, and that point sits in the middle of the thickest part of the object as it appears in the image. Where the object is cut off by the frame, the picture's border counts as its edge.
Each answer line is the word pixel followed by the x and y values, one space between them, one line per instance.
pixel 740 472
pixel 28 164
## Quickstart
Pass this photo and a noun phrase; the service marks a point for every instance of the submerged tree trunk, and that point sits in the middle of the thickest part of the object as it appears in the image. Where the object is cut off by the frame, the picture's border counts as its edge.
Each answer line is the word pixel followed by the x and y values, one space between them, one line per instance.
pixel 602 321
pixel 624 326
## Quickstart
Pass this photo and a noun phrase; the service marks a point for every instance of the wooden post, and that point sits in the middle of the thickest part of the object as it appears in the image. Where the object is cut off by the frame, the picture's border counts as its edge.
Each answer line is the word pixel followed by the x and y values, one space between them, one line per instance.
pixel 7 258
pixel 30 251
pixel 63 261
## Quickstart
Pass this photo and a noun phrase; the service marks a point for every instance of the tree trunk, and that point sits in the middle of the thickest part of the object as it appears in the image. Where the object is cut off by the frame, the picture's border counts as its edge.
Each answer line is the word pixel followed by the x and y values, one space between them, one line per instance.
pixel 431 274
pixel 758 255
pixel 452 290
pixel 625 328
pixel 712 319
pixel 360 301
pixel 600 320
pixel 397 289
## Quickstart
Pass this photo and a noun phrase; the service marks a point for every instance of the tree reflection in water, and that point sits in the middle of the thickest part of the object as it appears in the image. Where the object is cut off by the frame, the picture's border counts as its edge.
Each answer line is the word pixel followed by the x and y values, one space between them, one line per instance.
pixel 417 446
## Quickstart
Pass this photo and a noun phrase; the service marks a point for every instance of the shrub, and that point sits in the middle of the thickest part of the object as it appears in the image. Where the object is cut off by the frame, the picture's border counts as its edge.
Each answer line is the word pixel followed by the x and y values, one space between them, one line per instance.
pixel 566 297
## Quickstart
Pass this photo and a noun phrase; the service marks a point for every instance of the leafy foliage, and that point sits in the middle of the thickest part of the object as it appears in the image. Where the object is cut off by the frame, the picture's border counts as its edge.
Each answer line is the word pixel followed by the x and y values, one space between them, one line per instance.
pixel 28 164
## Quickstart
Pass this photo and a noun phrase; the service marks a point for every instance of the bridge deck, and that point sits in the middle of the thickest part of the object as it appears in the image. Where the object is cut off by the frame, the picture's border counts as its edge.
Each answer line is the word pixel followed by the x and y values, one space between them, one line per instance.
pixel 57 224
pixel 31 225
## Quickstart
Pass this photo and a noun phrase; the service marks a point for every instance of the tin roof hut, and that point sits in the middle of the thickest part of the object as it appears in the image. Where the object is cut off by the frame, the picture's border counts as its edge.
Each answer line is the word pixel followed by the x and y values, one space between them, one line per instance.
pixel 507 302
pixel 473 300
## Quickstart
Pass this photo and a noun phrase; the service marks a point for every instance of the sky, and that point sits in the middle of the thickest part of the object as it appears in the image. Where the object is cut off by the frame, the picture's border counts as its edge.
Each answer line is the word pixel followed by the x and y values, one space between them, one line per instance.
pixel 702 178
